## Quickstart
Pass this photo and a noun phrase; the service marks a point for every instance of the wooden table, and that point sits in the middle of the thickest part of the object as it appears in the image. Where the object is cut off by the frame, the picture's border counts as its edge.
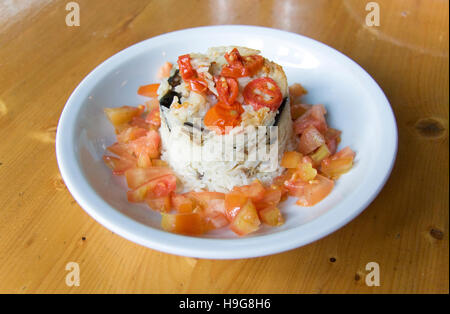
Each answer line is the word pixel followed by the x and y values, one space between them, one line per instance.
pixel 405 230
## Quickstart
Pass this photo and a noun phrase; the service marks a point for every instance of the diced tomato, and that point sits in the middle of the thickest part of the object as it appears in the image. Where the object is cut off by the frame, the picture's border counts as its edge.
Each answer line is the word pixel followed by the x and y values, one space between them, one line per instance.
pixel 305 170
pixel 122 150
pixel 221 118
pixel 297 110
pixel 159 163
pixel 154 118
pixel 291 160
pixel 122 115
pixel 227 88
pixel 310 140
pixel 149 144
pixel 139 176
pixel 271 216
pixel 239 66
pixel 234 202
pixel 156 188
pixel 313 117
pixel 255 191
pixel 130 134
pixel 164 71
pixel 320 154
pixel 148 90
pixel 216 221
pixel 338 164
pixel 332 138
pixel 272 197
pixel 188 224
pixel 263 92
pixel 213 208
pixel 119 165
pixel 246 220
pixel 144 161
pixel 140 123
pixel 161 204
pixel 312 192
pixel 296 91
pixel 182 203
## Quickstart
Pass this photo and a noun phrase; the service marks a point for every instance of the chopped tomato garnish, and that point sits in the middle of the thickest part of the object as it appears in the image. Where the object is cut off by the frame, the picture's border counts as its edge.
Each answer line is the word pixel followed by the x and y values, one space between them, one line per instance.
pixel 148 90
pixel 155 188
pixel 222 117
pixel 139 176
pixel 310 140
pixel 161 204
pixel 254 191
pixel 338 164
pixel 188 223
pixel 234 202
pixel 122 115
pixel 164 70
pixel 272 216
pixel 227 88
pixel 239 66
pixel 263 92
pixel 246 219
pixel 118 165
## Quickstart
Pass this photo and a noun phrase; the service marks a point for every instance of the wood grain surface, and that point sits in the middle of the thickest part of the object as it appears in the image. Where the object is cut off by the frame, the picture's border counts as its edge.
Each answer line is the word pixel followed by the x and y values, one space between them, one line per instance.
pixel 405 230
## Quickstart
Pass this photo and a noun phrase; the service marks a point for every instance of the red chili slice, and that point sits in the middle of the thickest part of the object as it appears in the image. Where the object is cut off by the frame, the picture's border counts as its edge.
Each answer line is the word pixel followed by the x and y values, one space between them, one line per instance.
pixel 239 66
pixel 190 76
pixel 263 92
pixel 227 88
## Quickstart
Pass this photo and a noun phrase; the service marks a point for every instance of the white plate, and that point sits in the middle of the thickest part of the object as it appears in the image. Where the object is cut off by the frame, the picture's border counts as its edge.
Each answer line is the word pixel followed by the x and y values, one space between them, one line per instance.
pixel 355 103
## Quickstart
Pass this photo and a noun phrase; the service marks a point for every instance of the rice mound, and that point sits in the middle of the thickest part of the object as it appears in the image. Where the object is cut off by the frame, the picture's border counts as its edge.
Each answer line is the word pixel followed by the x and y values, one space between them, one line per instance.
pixel 204 160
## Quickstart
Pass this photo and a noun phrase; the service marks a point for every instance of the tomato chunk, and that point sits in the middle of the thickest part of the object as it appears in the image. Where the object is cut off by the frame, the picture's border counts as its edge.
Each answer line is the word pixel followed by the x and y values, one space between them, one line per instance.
pixel 263 92
pixel 138 176
pixel 149 144
pixel 158 187
pixel 271 216
pixel 122 115
pixel 234 202
pixel 310 140
pixel 221 118
pixel 312 192
pixel 255 191
pixel 182 203
pixel 291 160
pixel 161 204
pixel 148 90
pixel 130 134
pixel 246 220
pixel 338 164
pixel 313 117
pixel 188 224
pixel 118 165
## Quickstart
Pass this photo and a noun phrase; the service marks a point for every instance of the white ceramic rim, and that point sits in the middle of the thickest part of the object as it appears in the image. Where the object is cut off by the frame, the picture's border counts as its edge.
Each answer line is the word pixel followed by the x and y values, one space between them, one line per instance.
pixel 160 240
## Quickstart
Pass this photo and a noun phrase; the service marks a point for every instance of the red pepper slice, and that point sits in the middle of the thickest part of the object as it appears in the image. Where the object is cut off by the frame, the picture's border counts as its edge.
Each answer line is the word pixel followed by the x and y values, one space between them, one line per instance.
pixel 239 66
pixel 263 92
pixel 227 88
pixel 190 76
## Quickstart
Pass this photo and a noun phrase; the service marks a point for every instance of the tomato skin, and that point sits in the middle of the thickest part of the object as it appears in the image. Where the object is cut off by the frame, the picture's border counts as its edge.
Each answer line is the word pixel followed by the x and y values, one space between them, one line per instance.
pixel 227 88
pixel 222 117
pixel 239 66
pixel 267 86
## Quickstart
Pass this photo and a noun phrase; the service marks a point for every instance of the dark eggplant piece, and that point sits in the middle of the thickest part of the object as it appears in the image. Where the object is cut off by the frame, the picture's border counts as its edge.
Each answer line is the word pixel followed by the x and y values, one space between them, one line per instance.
pixel 280 111
pixel 167 99
pixel 175 79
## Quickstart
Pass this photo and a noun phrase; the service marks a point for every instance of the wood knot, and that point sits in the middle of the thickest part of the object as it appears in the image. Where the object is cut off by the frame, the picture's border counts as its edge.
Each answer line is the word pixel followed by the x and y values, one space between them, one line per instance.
pixel 430 127
pixel 436 234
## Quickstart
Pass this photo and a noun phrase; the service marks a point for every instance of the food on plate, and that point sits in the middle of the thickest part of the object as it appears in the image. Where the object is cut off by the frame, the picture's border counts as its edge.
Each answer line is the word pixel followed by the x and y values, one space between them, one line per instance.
pixel 197 150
